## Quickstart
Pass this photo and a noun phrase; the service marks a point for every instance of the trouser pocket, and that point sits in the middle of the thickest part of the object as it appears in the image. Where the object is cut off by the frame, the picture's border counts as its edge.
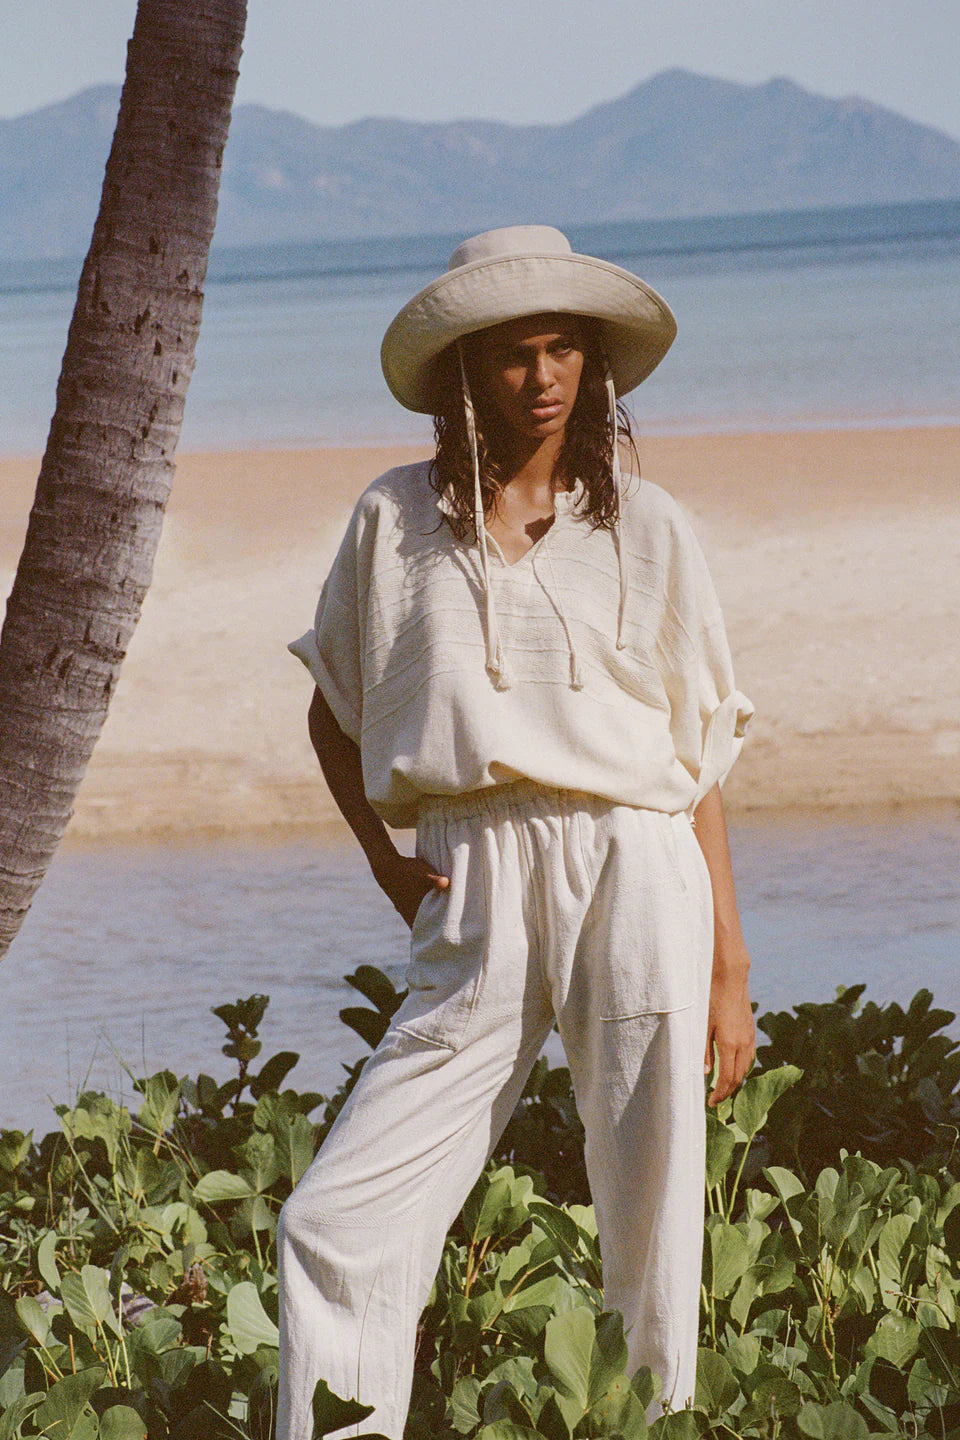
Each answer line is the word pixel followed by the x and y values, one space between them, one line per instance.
pixel 645 925
pixel 447 948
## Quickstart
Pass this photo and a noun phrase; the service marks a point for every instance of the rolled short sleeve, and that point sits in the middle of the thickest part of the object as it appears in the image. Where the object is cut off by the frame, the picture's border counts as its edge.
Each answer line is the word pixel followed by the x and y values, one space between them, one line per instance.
pixel 333 650
pixel 708 714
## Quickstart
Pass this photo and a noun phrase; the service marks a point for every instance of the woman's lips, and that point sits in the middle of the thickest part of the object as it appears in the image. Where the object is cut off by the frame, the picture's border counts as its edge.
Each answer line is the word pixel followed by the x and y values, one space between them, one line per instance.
pixel 547 410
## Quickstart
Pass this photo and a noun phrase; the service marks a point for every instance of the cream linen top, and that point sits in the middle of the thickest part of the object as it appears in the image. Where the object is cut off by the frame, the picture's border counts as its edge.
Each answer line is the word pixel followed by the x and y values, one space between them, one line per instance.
pixel 398 650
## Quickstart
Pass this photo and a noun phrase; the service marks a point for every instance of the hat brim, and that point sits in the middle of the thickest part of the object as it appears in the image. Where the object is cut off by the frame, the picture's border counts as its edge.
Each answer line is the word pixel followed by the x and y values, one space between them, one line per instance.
pixel 637 324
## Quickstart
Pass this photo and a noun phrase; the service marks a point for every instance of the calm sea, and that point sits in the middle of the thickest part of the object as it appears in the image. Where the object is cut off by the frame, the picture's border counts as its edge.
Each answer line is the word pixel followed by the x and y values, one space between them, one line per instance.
pixel 126 949
pixel 820 317
pixel 846 316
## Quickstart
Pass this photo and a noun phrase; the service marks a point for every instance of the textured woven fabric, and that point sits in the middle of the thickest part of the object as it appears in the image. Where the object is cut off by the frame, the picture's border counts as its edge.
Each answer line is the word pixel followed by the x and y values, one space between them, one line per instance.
pixel 561 907
pixel 398 649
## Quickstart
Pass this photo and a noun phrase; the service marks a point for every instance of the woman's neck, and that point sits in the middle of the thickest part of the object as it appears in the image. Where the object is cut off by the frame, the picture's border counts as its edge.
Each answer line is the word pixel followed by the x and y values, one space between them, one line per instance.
pixel 532 471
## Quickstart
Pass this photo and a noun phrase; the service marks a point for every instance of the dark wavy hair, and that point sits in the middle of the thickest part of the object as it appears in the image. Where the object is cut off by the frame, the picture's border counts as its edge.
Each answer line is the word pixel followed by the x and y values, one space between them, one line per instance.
pixel 587 453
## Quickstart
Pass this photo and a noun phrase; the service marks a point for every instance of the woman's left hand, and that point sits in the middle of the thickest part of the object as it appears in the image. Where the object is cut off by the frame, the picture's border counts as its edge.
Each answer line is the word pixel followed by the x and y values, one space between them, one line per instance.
pixel 731 1035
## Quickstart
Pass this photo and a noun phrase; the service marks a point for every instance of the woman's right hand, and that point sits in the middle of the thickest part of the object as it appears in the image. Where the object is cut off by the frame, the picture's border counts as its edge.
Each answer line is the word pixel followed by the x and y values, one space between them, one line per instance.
pixel 405 880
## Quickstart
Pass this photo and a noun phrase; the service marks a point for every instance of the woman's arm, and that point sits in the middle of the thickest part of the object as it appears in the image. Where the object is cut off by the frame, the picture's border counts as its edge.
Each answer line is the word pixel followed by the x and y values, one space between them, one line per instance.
pixel 404 879
pixel 730 1028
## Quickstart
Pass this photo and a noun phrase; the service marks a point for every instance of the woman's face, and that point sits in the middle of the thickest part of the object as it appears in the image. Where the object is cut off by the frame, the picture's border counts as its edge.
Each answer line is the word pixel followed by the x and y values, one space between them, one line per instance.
pixel 529 372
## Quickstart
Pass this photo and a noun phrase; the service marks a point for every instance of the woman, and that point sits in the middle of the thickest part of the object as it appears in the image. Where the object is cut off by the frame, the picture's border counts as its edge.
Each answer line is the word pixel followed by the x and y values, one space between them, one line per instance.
pixel 519 651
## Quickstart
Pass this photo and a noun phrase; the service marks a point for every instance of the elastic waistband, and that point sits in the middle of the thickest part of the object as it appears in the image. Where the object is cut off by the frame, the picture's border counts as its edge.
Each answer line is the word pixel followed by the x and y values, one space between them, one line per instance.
pixel 519 796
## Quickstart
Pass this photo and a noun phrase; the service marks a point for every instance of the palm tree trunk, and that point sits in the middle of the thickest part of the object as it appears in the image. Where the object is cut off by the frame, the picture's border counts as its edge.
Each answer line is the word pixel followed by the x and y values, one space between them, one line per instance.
pixel 108 467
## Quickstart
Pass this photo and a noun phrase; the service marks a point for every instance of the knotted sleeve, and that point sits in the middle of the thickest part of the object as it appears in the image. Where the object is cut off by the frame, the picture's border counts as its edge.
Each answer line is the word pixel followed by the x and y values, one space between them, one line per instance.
pixel 708 714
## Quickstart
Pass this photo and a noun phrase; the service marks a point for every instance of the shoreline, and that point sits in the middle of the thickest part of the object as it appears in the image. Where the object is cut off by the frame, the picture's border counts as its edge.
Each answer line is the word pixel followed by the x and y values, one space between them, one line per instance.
pixel 840 595
pixel 331 832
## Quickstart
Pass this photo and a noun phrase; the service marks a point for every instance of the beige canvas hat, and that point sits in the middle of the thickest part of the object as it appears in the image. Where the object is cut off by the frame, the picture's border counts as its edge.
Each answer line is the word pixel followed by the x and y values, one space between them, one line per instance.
pixel 524 270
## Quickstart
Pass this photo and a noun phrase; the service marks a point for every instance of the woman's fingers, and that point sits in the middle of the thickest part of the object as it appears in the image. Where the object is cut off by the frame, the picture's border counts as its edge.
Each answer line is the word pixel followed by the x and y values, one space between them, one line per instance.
pixel 733 1064
pixel 410 879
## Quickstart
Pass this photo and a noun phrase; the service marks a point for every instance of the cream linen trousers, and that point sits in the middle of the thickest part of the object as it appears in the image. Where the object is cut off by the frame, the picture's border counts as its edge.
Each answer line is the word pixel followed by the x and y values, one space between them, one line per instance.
pixel 561 907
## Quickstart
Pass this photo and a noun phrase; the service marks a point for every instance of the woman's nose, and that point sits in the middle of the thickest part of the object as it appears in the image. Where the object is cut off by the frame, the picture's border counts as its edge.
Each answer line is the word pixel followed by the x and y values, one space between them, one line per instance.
pixel 542 374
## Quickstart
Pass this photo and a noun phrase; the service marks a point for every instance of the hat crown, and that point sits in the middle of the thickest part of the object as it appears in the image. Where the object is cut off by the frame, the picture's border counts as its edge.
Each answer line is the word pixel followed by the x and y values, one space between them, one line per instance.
pixel 512 240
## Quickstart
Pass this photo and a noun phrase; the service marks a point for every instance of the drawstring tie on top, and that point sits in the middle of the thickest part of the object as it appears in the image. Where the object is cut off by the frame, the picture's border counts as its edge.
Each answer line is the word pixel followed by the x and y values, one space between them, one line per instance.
pixel 496 665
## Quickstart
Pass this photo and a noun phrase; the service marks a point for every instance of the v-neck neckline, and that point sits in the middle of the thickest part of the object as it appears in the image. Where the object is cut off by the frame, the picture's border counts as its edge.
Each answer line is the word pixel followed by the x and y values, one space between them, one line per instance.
pixel 512 564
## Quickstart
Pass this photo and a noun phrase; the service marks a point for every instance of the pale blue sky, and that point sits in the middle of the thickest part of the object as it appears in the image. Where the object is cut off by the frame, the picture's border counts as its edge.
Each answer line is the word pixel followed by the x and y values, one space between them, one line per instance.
pixel 433 60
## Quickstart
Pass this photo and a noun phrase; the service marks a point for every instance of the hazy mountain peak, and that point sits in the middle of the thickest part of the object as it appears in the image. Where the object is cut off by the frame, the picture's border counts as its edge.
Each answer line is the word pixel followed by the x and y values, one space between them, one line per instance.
pixel 676 144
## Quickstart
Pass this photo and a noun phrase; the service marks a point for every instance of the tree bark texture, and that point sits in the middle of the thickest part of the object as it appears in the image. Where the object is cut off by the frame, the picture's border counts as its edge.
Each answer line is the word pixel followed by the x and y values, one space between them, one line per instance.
pixel 108 467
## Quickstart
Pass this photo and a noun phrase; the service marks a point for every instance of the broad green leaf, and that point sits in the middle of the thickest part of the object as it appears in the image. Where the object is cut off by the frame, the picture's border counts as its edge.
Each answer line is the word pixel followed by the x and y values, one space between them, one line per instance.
pixel 743 1353
pixel 744 1296
pixel 158 1332
pixel 527 1323
pixel 376 987
pixel 86 1298
pixel 717 1386
pixel 497 1204
pixel 161 1101
pixel 14 1149
pixel 295 1146
pixel 776 1397
pixel 568 1349
pixel 645 1385
pixel 60 1413
pixel 787 1187
pixel 121 1422
pixel 721 1143
pixel 482 1308
pixel 248 1324
pixel 16 1413
pixel 757 1204
pixel 47 1261
pixel 183 1223
pixel 465 1405
pixel 753 1101
pixel 273 1073
pixel 331 1412
pixel 585 1217
pixel 34 1319
pixel 839 1219
pixel 261 1165
pixel 680 1425
pixel 729 1258
pixel 560 1226
pixel 97 1119
pixel 148 1178
pixel 893 1237
pixel 608 1362
pixel 837 1421
pixel 895 1339
pixel 219 1185
pixel 370 1025
pixel 519 1374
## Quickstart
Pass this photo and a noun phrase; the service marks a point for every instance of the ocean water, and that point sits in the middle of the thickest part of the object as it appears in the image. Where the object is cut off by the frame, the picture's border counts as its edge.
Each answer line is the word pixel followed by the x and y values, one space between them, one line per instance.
pixel 848 316
pixel 127 948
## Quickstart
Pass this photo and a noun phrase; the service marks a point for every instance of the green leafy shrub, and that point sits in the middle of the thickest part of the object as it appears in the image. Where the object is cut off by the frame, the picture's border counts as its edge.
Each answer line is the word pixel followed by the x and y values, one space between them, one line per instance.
pixel 878 1079
pixel 137 1257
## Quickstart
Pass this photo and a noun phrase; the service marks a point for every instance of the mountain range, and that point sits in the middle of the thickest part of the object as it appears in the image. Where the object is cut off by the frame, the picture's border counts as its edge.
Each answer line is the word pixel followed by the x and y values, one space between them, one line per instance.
pixel 677 145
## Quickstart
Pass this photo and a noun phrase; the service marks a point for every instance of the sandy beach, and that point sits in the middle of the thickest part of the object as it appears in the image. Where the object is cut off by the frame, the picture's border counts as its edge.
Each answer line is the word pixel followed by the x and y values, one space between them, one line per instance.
pixel 836 555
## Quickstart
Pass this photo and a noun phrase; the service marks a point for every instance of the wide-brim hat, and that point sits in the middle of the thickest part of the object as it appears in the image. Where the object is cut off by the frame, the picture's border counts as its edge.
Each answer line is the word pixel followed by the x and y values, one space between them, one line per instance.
pixel 524 270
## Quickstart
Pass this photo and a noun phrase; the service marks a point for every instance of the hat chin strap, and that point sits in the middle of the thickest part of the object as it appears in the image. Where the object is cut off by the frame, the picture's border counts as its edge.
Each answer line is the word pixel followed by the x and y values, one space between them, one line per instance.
pixel 496 668
pixel 495 662
pixel 617 477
